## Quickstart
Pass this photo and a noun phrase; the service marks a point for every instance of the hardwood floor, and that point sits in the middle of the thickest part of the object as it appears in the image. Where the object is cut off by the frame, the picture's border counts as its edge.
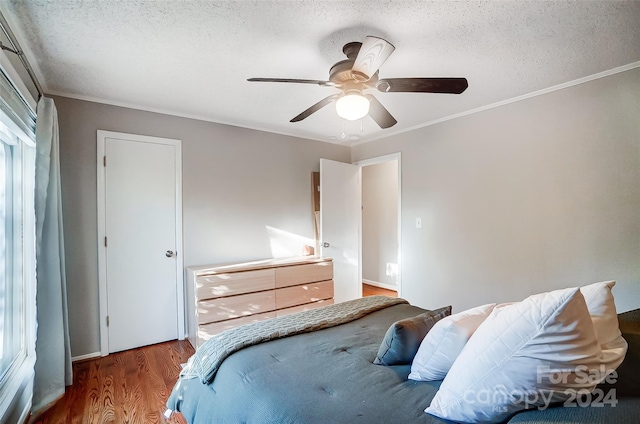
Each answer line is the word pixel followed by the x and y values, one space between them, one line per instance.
pixel 124 388
pixel 369 290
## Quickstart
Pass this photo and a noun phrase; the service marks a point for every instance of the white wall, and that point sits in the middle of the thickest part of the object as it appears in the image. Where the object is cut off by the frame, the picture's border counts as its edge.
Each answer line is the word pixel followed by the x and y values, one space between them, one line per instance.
pixel 379 221
pixel 246 195
pixel 539 194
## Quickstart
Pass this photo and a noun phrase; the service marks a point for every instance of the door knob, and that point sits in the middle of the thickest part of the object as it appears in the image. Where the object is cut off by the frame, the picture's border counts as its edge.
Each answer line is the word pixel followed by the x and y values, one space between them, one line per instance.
pixel 169 254
pixel 326 244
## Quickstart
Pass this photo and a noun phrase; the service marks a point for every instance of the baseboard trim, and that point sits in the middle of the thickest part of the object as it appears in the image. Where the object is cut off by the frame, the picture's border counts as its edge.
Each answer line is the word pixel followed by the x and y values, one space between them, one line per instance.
pixel 391 287
pixel 85 357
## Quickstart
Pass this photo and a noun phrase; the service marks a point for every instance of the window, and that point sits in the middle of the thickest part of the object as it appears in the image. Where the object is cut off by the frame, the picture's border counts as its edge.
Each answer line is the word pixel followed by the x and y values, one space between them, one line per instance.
pixel 17 243
pixel 17 259
pixel 11 288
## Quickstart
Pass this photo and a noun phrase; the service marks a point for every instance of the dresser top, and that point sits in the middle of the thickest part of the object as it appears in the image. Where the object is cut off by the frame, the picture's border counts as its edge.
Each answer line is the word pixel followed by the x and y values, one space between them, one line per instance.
pixel 255 265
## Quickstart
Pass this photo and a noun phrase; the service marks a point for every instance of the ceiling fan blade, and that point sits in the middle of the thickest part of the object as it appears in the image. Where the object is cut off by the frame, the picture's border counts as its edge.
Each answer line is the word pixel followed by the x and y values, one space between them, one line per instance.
pixel 422 85
pixel 322 103
pixel 379 113
pixel 299 81
pixel 373 53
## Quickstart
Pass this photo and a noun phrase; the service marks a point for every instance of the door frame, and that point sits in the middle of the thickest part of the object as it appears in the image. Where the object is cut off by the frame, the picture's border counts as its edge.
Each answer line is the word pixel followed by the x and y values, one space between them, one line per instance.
pixel 102 135
pixel 375 161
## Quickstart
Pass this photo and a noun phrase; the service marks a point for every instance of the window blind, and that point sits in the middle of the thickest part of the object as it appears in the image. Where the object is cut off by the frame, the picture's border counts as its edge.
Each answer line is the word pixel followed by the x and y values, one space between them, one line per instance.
pixel 16 107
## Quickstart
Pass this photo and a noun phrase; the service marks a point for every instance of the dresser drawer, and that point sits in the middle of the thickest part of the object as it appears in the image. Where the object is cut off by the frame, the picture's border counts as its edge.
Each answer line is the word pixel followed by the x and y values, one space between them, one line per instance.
pixel 220 297
pixel 233 283
pixel 300 274
pixel 305 307
pixel 304 293
pixel 225 308
pixel 206 331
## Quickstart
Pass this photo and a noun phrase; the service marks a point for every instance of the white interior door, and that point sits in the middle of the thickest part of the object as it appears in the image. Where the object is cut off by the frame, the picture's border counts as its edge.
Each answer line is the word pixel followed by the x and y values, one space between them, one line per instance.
pixel 142 236
pixel 340 225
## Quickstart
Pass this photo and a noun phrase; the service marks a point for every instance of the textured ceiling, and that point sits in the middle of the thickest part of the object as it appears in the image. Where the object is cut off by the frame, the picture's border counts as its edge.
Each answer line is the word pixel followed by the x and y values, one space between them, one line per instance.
pixel 192 58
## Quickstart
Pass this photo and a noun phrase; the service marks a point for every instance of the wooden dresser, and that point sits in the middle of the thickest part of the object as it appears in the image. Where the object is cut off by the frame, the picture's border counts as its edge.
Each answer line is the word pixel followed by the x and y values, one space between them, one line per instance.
pixel 223 297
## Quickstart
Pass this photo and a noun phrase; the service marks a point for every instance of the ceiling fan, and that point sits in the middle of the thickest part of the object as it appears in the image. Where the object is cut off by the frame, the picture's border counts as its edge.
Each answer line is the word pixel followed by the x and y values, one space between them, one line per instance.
pixel 359 72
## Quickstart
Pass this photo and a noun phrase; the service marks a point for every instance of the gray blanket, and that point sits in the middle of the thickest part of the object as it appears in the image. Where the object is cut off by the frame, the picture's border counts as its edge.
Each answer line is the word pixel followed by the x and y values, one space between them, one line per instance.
pixel 205 362
pixel 320 377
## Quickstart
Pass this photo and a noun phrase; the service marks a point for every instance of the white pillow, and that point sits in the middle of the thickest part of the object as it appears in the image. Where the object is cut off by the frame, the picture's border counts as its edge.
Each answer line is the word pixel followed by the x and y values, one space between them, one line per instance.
pixel 523 356
pixel 444 342
pixel 602 308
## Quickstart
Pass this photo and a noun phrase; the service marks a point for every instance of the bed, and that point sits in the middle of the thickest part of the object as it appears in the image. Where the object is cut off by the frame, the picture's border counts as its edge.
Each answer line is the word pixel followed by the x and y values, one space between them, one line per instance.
pixel 328 376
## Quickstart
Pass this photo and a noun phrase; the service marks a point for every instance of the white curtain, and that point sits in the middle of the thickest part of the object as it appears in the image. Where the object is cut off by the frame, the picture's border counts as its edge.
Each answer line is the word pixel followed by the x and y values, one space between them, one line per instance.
pixel 53 354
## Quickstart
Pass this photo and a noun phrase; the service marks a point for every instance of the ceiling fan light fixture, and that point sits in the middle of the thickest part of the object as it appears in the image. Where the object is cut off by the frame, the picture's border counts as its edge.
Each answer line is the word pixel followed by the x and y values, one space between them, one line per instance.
pixel 352 106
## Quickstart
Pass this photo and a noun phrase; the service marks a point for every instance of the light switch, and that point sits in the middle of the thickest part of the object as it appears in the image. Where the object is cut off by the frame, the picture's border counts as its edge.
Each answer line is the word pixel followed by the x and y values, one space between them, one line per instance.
pixel 418 222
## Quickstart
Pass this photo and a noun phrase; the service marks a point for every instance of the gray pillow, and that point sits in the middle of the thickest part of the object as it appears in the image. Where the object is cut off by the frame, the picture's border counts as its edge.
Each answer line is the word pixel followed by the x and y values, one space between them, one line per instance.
pixel 403 338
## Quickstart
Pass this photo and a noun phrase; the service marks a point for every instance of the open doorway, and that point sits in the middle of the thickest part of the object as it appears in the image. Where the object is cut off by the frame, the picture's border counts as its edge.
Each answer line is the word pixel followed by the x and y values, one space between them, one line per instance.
pixel 380 248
